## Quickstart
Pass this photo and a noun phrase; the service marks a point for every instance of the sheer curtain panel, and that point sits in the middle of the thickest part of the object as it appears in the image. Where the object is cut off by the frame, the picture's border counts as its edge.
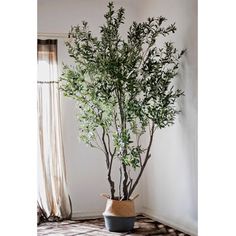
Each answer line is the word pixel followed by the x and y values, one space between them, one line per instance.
pixel 53 198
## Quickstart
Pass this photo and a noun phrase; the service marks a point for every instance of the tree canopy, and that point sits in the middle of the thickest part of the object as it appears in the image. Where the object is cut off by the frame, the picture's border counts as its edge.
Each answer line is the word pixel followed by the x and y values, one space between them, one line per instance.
pixel 123 87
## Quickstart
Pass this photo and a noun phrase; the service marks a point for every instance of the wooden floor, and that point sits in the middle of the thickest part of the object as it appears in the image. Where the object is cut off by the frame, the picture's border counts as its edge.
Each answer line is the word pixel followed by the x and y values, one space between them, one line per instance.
pixel 143 226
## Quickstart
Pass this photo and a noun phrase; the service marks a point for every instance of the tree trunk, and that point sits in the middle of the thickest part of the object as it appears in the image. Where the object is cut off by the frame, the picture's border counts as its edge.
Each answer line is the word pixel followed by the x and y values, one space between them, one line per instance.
pixel 125 186
pixel 112 186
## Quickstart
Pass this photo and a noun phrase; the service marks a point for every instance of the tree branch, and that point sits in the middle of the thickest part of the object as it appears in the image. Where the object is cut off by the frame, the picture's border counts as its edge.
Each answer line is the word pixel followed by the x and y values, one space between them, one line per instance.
pixel 105 147
pixel 138 139
pixel 125 187
pixel 120 183
pixel 98 137
pixel 98 147
pixel 130 182
pixel 148 155
pixel 112 184
pixel 109 144
pixel 144 58
pixel 115 122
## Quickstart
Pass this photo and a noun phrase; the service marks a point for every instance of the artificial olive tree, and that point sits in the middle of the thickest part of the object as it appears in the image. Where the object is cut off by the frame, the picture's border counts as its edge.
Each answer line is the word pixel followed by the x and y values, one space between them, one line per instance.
pixel 124 89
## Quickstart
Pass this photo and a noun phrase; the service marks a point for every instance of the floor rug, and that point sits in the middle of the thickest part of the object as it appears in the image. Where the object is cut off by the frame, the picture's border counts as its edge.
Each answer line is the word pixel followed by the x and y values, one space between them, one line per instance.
pixel 143 226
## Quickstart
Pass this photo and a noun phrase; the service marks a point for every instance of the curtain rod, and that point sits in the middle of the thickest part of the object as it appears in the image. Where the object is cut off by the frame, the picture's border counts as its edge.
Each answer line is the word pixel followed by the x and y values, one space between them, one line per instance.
pixel 56 35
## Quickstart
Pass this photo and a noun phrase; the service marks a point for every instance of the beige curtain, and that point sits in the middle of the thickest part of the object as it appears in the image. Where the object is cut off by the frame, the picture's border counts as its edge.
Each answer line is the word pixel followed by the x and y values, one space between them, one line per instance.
pixel 53 198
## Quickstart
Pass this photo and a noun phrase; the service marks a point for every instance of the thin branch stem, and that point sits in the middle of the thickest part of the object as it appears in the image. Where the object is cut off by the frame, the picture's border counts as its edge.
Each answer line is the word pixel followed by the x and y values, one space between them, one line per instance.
pixel 144 58
pixel 130 187
pixel 97 147
pixel 115 122
pixel 105 147
pixel 109 144
pixel 99 136
pixel 112 184
pixel 138 139
pixel 120 183
pixel 148 155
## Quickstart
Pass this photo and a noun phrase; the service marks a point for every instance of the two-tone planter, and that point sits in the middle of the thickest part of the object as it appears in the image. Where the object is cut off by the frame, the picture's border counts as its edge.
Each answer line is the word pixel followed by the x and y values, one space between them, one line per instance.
pixel 119 215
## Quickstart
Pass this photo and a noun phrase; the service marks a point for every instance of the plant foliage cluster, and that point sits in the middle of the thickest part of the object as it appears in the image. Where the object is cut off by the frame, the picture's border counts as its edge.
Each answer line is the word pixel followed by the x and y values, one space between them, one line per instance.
pixel 123 88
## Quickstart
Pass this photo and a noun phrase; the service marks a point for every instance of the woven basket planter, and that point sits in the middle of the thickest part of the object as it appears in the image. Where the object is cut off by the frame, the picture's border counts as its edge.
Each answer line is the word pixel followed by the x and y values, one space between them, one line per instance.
pixel 119 215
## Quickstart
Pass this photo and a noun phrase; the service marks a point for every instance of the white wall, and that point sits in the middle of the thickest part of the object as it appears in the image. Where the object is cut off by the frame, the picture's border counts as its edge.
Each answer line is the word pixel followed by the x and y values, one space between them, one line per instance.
pixel 170 180
pixel 169 185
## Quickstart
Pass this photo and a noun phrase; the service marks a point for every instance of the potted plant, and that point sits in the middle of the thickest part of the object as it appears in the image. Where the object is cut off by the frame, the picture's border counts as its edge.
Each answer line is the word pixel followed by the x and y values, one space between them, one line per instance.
pixel 124 90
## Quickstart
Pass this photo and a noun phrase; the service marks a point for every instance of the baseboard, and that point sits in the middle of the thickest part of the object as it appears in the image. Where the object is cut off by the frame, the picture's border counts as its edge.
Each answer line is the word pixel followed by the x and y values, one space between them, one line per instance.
pixel 164 221
pixel 87 215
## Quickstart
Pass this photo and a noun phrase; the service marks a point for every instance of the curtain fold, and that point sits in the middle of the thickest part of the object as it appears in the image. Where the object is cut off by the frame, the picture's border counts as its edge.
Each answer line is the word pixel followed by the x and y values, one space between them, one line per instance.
pixel 53 198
